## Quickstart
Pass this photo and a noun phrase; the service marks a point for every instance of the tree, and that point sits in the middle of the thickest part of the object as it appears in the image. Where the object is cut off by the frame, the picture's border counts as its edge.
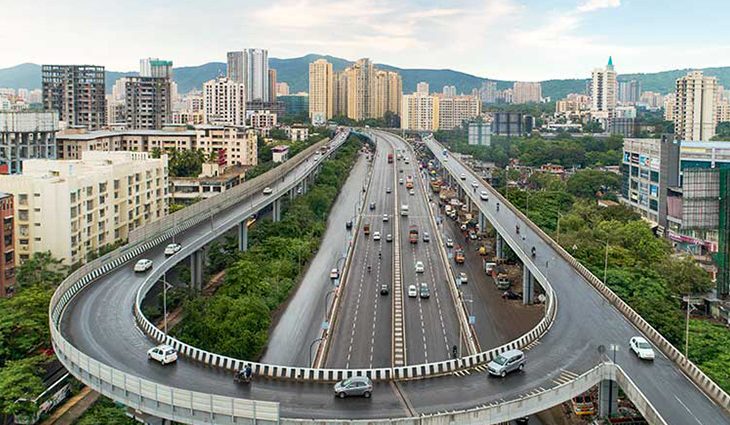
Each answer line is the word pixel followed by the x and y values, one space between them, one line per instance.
pixel 24 322
pixel 278 134
pixel 20 379
pixel 684 276
pixel 592 183
pixel 41 268
pixel 186 163
pixel 104 411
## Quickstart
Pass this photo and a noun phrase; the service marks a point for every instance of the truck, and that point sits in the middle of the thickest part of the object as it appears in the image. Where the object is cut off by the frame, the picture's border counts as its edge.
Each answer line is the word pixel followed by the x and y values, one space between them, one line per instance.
pixel 413 234
pixel 390 158
pixel 459 255
pixel 502 281
pixel 435 185
pixel 366 228
pixel 409 182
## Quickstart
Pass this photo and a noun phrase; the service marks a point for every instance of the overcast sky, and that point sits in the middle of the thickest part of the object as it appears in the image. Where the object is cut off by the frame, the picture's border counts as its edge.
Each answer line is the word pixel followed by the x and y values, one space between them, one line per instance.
pixel 504 39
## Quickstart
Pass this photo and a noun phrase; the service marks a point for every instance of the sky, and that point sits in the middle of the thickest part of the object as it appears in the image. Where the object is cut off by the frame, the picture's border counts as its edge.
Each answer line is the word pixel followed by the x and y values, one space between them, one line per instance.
pixel 526 40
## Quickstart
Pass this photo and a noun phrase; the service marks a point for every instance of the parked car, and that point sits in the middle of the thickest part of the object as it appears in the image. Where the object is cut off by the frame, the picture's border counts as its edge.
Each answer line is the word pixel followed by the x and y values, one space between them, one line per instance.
pixel 423 291
pixel 164 354
pixel 472 235
pixel 389 238
pixel 143 265
pixel 172 248
pixel 419 267
pixel 426 237
pixel 355 386
pixel 507 362
pixel 334 274
pixel 641 348
pixel 449 243
pixel 376 236
pixel 462 277
pixel 412 291
pixel 384 289
pixel 268 191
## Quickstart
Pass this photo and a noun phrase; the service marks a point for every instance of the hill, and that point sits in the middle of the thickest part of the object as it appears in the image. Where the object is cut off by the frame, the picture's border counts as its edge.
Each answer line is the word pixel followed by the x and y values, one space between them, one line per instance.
pixel 295 72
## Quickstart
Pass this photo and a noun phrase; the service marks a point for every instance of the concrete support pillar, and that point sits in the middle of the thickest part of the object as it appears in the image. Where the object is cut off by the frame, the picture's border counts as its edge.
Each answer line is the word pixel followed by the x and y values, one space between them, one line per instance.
pixel 291 193
pixel 196 270
pixel 243 236
pixel 499 246
pixel 482 222
pixel 607 398
pixel 304 185
pixel 276 210
pixel 528 281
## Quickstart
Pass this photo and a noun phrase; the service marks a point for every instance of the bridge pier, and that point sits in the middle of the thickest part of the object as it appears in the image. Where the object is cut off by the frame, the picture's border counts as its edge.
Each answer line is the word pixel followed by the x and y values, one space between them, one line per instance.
pixel 482 222
pixel 499 246
pixel 276 210
pixel 196 270
pixel 528 281
pixel 243 235
pixel 607 398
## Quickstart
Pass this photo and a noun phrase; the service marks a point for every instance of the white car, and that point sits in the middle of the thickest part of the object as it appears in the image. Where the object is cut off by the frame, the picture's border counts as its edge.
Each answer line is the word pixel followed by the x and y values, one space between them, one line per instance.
pixel 641 348
pixel 376 236
pixel 172 248
pixel 163 354
pixel 462 176
pixel 412 291
pixel 389 238
pixel 268 191
pixel 400 181
pixel 449 243
pixel 484 195
pixel 419 267
pixel 334 274
pixel 387 190
pixel 143 265
pixel 385 217
pixel 462 277
pixel 474 183
pixel 411 192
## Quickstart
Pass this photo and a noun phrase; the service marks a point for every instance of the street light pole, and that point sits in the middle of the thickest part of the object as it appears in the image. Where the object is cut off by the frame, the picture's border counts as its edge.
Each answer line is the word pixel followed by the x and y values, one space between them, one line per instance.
pixel 605 264
pixel 164 302
pixel 558 237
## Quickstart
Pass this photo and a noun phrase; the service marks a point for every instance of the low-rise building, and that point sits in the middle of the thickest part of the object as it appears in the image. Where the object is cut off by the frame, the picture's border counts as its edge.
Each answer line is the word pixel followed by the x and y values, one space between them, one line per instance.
pixel 262 119
pixel 214 180
pixel 280 153
pixel 298 132
pixel 480 133
pixel 237 145
pixel 75 208
pixel 7 245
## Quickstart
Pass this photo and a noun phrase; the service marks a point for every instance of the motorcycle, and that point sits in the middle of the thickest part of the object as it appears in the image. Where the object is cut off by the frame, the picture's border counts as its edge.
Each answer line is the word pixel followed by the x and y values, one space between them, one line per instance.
pixel 241 377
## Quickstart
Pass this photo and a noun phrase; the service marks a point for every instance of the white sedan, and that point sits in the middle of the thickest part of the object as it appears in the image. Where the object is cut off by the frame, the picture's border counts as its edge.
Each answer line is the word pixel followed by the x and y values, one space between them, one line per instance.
pixel 641 348
pixel 143 265
pixel 412 291
pixel 462 277
pixel 164 354
pixel 419 267
pixel 172 248
pixel 376 236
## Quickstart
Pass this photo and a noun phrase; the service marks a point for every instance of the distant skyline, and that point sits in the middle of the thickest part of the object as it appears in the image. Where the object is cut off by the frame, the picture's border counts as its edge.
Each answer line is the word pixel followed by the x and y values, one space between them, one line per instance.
pixel 501 39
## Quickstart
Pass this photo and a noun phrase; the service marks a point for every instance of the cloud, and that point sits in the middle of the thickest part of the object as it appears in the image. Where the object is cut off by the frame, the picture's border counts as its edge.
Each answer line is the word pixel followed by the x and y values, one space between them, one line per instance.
pixel 592 5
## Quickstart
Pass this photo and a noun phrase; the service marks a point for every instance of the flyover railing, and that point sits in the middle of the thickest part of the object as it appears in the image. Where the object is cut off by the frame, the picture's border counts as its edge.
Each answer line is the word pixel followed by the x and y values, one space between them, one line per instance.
pixel 699 378
pixel 298 373
pixel 168 402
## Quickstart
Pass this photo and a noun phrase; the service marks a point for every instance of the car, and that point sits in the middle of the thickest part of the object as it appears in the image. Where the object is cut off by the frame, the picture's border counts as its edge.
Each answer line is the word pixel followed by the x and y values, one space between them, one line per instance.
pixel 474 183
pixel 400 171
pixel 334 274
pixel 400 181
pixel 385 217
pixel 299 191
pixel 411 192
pixel 372 205
pixel 143 265
pixel 384 289
pixel 449 243
pixel 506 362
pixel 426 237
pixel 462 176
pixel 419 267
pixel 412 291
pixel 388 190
pixel 348 224
pixel 172 248
pixel 164 354
pixel 267 191
pixel 423 291
pixel 376 236
pixel 355 386
pixel 472 235
pixel 484 195
pixel 389 238
pixel 641 348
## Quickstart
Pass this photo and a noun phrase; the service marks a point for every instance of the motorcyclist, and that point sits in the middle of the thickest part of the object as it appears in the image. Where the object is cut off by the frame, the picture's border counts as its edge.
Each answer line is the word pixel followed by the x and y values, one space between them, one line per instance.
pixel 248 372
pixel 533 251
pixel 497 206
pixel 369 268
pixel 517 228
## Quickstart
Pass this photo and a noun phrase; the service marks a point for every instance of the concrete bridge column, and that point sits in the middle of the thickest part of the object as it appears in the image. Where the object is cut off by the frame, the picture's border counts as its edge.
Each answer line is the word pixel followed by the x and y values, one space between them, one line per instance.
pixel 291 193
pixel 243 235
pixel 276 210
pixel 499 246
pixel 303 185
pixel 528 281
pixel 607 398
pixel 196 270
pixel 482 222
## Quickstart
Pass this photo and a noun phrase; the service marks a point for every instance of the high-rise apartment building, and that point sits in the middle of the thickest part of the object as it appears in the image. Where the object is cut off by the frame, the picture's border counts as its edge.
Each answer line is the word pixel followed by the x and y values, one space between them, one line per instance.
pixel 76 92
pixel 695 112
pixel 387 94
pixel 340 96
pixel 360 88
pixel 75 208
pixel 251 67
pixel 154 67
pixel 282 89
pixel 147 102
pixel 449 91
pixel 272 85
pixel 629 92
pixel 603 92
pixel 488 92
pixel 526 92
pixel 26 135
pixel 454 110
pixel 422 88
pixel 224 102
pixel 670 102
pixel 321 90
pixel 420 112
pixel 7 245
pixel 366 92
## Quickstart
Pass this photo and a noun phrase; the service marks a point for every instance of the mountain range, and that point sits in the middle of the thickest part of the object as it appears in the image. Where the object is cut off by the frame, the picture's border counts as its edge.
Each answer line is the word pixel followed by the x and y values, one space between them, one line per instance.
pixel 295 72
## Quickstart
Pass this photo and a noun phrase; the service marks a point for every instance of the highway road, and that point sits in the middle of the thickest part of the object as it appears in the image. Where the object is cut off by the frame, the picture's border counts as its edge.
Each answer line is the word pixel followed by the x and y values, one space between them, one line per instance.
pixel 361 336
pixel 300 322
pixel 99 322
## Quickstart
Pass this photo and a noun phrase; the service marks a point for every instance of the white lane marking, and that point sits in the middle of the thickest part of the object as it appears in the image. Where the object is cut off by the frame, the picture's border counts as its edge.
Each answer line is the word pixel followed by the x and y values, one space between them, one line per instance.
pixel 687 408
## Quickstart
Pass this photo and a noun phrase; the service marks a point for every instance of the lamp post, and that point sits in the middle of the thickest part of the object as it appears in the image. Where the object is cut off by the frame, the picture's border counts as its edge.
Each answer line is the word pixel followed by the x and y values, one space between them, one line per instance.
pixel 311 345
pixel 558 237
pixel 164 302
pixel 605 261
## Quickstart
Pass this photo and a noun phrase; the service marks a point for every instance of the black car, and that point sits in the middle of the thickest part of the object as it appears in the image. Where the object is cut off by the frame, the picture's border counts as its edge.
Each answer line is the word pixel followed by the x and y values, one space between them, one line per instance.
pixel 372 205
pixel 384 289
pixel 348 224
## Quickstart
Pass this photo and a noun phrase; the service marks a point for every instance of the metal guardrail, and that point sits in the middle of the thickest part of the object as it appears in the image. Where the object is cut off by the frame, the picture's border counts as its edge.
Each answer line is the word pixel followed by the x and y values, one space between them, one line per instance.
pixel 699 378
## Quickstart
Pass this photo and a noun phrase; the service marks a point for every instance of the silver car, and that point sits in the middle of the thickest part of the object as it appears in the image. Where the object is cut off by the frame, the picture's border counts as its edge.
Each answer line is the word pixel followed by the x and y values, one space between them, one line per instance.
pixel 355 386
pixel 507 362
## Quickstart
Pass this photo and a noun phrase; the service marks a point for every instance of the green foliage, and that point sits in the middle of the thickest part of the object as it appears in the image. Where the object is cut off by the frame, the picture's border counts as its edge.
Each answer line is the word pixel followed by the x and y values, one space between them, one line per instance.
pixel 723 131
pixel 709 345
pixel 20 379
pixel 105 411
pixel 278 134
pixel 41 268
pixel 684 275
pixel 591 183
pixel 185 163
pixel 235 321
